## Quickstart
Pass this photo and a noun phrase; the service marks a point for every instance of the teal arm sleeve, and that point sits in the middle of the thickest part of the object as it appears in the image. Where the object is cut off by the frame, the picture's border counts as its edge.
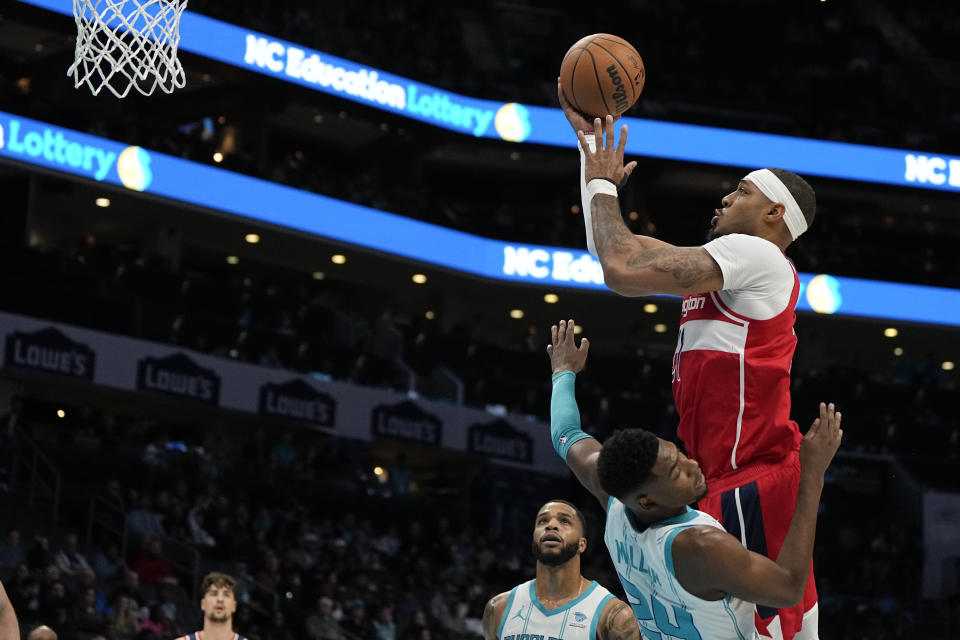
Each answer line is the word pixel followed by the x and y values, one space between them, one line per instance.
pixel 564 414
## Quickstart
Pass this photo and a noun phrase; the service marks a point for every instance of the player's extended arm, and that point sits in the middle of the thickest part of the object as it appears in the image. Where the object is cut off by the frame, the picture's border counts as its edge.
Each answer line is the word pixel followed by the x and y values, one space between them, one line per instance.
pixel 9 627
pixel 711 563
pixel 578 449
pixel 634 265
pixel 493 614
pixel 617 622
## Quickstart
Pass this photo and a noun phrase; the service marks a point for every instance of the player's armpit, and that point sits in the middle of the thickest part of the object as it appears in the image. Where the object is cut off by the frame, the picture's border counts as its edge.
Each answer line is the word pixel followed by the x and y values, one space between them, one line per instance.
pixel 582 459
pixel 641 270
pixel 710 563
pixel 493 614
pixel 618 622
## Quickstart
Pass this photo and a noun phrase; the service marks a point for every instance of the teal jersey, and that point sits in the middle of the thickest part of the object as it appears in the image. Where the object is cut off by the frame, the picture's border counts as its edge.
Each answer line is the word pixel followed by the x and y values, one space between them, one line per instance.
pixel 664 609
pixel 526 619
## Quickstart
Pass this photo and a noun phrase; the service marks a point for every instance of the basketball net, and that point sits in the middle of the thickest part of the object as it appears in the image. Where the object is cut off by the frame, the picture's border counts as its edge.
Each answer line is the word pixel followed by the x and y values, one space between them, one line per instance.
pixel 128 43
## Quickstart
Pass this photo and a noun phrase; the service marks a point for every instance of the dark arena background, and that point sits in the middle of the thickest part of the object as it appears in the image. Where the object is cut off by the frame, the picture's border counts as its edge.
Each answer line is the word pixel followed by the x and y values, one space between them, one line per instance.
pixel 289 321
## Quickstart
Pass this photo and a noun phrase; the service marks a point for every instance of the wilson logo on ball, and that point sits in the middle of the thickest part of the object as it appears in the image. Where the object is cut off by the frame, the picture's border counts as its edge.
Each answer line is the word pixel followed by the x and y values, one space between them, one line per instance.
pixel 619 94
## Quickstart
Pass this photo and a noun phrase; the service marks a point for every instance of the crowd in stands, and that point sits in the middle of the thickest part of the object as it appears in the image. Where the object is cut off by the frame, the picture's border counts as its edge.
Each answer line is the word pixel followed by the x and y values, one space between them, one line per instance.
pixel 328 328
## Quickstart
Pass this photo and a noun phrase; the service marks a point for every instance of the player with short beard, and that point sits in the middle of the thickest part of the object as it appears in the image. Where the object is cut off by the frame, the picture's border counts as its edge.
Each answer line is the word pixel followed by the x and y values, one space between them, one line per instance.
pixel 219 603
pixel 559 602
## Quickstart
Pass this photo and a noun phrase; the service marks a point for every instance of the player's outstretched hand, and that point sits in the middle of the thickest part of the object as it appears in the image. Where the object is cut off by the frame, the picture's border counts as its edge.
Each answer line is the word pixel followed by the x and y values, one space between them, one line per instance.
pixel 606 161
pixel 822 441
pixel 564 354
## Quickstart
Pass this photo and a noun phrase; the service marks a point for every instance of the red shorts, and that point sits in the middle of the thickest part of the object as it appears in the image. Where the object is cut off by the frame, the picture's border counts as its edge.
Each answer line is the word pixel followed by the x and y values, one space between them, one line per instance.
pixel 755 504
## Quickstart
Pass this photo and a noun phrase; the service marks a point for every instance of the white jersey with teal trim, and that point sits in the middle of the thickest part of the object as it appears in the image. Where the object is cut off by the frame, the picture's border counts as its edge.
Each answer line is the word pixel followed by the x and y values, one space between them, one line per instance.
pixel 664 609
pixel 526 619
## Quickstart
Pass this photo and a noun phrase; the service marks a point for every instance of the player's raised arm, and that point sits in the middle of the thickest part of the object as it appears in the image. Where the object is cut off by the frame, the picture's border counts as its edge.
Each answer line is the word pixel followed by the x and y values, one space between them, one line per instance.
pixel 633 265
pixel 578 449
pixel 711 563
pixel 493 614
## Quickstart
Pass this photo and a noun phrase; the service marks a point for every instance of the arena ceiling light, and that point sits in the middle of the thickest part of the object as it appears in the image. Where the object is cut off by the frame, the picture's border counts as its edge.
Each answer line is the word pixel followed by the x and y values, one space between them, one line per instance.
pixel 419 278
pixel 319 275
pixel 947 365
pixel 102 202
pixel 338 258
pixel 516 314
pixel 660 327
pixel 551 298
pixel 233 260
pixel 252 238
pixel 891 332
pixel 898 351
pixel 218 157
pixel 650 307
pixel 429 315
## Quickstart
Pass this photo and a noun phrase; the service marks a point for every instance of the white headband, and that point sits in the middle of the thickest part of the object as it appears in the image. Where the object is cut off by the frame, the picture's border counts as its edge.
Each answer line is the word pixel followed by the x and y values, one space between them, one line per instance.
pixel 771 186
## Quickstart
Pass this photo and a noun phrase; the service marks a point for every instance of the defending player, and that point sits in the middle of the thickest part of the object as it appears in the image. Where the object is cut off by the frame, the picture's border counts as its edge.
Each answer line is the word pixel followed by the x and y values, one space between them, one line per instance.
pixel 219 603
pixel 685 577
pixel 731 369
pixel 559 602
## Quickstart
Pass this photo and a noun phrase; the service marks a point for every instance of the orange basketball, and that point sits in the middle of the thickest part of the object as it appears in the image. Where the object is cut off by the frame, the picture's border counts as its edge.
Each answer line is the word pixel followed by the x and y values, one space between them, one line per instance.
pixel 602 74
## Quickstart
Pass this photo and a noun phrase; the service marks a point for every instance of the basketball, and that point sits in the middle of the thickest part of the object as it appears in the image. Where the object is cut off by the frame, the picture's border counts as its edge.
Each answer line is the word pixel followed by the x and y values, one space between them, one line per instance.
pixel 602 74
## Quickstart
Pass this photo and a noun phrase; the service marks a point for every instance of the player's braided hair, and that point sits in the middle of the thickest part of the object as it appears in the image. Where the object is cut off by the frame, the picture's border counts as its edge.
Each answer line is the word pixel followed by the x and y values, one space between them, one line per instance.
pixel 801 191
pixel 626 461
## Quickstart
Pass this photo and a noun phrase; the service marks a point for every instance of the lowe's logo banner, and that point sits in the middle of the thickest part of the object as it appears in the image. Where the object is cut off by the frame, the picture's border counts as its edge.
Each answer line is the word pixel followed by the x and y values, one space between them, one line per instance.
pixel 84 155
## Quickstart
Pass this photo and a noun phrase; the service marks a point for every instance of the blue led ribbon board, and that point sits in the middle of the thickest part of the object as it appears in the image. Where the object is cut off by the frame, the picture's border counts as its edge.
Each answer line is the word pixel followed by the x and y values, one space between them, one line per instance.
pixel 37 144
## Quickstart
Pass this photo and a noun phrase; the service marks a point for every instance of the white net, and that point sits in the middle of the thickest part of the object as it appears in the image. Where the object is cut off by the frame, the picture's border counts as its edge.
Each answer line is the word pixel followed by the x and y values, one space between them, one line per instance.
pixel 124 44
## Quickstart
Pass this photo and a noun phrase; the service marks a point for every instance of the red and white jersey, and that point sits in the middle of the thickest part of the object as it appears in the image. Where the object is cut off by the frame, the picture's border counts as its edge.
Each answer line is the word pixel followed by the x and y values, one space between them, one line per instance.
pixel 731 368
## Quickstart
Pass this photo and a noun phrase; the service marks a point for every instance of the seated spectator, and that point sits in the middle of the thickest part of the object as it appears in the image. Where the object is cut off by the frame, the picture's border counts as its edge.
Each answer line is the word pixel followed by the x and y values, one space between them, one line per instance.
pixel 40 556
pixel 55 606
pixel 356 623
pixel 157 623
pixel 124 622
pixel 150 564
pixel 143 521
pixel 383 625
pixel 69 559
pixel 11 553
pixel 88 620
pixel 321 624
pixel 107 562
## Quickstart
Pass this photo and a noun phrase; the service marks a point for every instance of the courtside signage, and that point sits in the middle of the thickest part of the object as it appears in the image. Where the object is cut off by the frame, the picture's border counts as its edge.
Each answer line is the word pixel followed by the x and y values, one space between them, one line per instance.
pixel 522 123
pixel 220 190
